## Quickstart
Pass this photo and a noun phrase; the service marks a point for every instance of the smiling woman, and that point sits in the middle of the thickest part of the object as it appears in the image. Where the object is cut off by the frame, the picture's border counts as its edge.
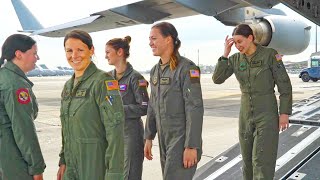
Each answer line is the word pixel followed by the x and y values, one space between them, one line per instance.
pixel 258 69
pixel 91 115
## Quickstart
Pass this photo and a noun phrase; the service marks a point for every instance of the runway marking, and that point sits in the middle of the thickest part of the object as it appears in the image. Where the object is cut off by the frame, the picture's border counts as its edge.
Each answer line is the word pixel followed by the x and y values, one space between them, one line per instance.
pixel 227 166
pixel 224 168
pixel 284 159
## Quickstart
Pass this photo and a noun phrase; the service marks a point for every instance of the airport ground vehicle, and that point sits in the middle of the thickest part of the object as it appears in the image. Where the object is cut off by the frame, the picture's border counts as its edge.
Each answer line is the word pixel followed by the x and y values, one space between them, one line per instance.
pixel 313 70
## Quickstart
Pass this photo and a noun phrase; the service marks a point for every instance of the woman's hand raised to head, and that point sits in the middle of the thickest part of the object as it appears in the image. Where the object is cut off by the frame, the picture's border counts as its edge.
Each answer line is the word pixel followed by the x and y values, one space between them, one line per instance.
pixel 227 46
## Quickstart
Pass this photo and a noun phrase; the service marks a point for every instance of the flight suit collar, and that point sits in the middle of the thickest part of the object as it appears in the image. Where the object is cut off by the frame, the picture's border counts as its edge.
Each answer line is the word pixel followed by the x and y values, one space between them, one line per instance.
pixel 92 68
pixel 128 70
pixel 259 47
pixel 14 68
pixel 178 58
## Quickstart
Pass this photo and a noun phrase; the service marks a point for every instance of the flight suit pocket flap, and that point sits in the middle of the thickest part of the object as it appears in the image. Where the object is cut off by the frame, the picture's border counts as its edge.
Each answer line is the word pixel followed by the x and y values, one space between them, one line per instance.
pixel 89 140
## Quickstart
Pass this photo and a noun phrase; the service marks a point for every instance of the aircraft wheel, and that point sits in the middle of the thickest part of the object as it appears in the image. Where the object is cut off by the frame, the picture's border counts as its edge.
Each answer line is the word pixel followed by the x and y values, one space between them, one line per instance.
pixel 305 77
pixel 314 79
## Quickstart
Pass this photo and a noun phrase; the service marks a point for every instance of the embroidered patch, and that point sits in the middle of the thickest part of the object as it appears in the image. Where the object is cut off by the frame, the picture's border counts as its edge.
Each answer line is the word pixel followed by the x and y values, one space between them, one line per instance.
pixel 154 80
pixel 165 81
pixel 254 64
pixel 243 66
pixel 122 87
pixel 279 57
pixel 23 96
pixel 81 93
pixel 194 73
pixel 112 85
pixel 143 83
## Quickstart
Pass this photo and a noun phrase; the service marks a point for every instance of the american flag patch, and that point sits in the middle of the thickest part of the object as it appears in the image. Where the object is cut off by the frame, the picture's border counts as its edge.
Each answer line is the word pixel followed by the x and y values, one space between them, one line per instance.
pixel 143 82
pixel 194 73
pixel 123 87
pixel 279 57
pixel 112 85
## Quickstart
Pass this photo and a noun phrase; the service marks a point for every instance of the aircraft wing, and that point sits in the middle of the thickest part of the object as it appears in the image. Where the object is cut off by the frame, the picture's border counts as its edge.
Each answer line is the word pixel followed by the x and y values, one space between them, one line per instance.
pixel 309 9
pixel 141 12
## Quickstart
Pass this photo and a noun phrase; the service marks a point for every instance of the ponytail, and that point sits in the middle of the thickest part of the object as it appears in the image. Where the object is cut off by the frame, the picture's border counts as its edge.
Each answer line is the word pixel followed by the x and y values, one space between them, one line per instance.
pixel 174 59
pixel 173 62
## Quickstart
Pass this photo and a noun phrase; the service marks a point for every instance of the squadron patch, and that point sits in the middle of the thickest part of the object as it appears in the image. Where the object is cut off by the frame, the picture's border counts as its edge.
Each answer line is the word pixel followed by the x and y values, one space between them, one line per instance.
pixel 112 85
pixel 194 73
pixel 143 83
pixel 279 57
pixel 123 87
pixel 154 80
pixel 243 66
pixel 23 96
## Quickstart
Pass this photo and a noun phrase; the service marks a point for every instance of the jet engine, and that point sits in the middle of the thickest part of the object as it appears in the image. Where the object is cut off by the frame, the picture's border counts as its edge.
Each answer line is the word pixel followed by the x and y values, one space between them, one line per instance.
pixel 286 35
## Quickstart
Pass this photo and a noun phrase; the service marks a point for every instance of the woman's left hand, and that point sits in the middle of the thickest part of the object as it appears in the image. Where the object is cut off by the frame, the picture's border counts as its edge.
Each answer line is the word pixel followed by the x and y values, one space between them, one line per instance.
pixel 190 157
pixel 283 122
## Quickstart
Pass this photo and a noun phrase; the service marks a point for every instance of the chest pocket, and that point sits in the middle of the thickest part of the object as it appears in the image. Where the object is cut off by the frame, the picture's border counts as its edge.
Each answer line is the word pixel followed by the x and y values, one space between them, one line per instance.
pixel 241 75
pixel 71 103
pixel 263 79
pixel 173 97
pixel 262 72
pixel 79 99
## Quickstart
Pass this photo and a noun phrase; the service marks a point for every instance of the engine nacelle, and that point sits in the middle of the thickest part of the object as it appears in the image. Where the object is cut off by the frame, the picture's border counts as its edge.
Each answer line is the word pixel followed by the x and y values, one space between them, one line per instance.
pixel 286 35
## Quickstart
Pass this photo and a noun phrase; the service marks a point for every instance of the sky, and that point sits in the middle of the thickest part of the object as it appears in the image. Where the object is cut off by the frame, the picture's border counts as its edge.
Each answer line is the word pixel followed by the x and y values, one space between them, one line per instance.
pixel 203 34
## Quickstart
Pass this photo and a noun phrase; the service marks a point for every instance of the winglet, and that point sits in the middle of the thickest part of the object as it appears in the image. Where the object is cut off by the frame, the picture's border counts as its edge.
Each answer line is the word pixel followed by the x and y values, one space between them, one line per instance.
pixel 27 20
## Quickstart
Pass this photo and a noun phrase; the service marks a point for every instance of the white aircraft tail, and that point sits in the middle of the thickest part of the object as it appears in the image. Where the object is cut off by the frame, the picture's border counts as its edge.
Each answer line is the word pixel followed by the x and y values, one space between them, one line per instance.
pixel 27 20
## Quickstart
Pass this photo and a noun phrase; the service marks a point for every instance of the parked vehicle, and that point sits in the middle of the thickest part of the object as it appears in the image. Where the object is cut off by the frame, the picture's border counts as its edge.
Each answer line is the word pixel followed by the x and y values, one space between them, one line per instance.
pixel 313 70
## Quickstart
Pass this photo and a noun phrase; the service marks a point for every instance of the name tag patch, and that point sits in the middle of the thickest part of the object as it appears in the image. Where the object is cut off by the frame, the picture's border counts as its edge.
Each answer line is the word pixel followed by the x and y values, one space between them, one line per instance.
pixel 254 64
pixel 165 81
pixel 81 93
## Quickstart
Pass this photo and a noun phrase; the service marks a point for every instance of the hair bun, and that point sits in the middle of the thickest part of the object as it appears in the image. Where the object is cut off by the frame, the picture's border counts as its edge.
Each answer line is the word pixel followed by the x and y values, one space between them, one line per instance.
pixel 128 39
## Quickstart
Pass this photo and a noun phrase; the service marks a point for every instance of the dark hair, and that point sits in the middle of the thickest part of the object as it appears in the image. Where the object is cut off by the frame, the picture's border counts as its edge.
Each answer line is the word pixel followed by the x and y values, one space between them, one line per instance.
pixel 13 43
pixel 81 35
pixel 243 30
pixel 122 43
pixel 166 30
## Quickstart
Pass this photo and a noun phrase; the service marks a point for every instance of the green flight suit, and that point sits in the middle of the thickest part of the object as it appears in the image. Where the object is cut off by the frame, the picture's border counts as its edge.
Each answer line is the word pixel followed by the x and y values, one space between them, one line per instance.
pixel 20 153
pixel 133 90
pixel 92 120
pixel 259 117
pixel 175 112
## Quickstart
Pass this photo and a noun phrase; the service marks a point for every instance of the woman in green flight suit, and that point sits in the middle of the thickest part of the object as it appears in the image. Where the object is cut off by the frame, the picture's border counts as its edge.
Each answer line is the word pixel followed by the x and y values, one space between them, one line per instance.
pixel 92 117
pixel 258 70
pixel 175 111
pixel 20 153
pixel 133 90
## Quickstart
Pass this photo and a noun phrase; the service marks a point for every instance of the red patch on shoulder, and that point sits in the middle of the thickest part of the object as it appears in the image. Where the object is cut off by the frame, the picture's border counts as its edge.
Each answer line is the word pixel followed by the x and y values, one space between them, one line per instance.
pixel 23 96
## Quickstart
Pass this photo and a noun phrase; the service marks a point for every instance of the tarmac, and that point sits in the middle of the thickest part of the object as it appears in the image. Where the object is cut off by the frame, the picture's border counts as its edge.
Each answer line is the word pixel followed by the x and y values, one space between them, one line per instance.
pixel 220 127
